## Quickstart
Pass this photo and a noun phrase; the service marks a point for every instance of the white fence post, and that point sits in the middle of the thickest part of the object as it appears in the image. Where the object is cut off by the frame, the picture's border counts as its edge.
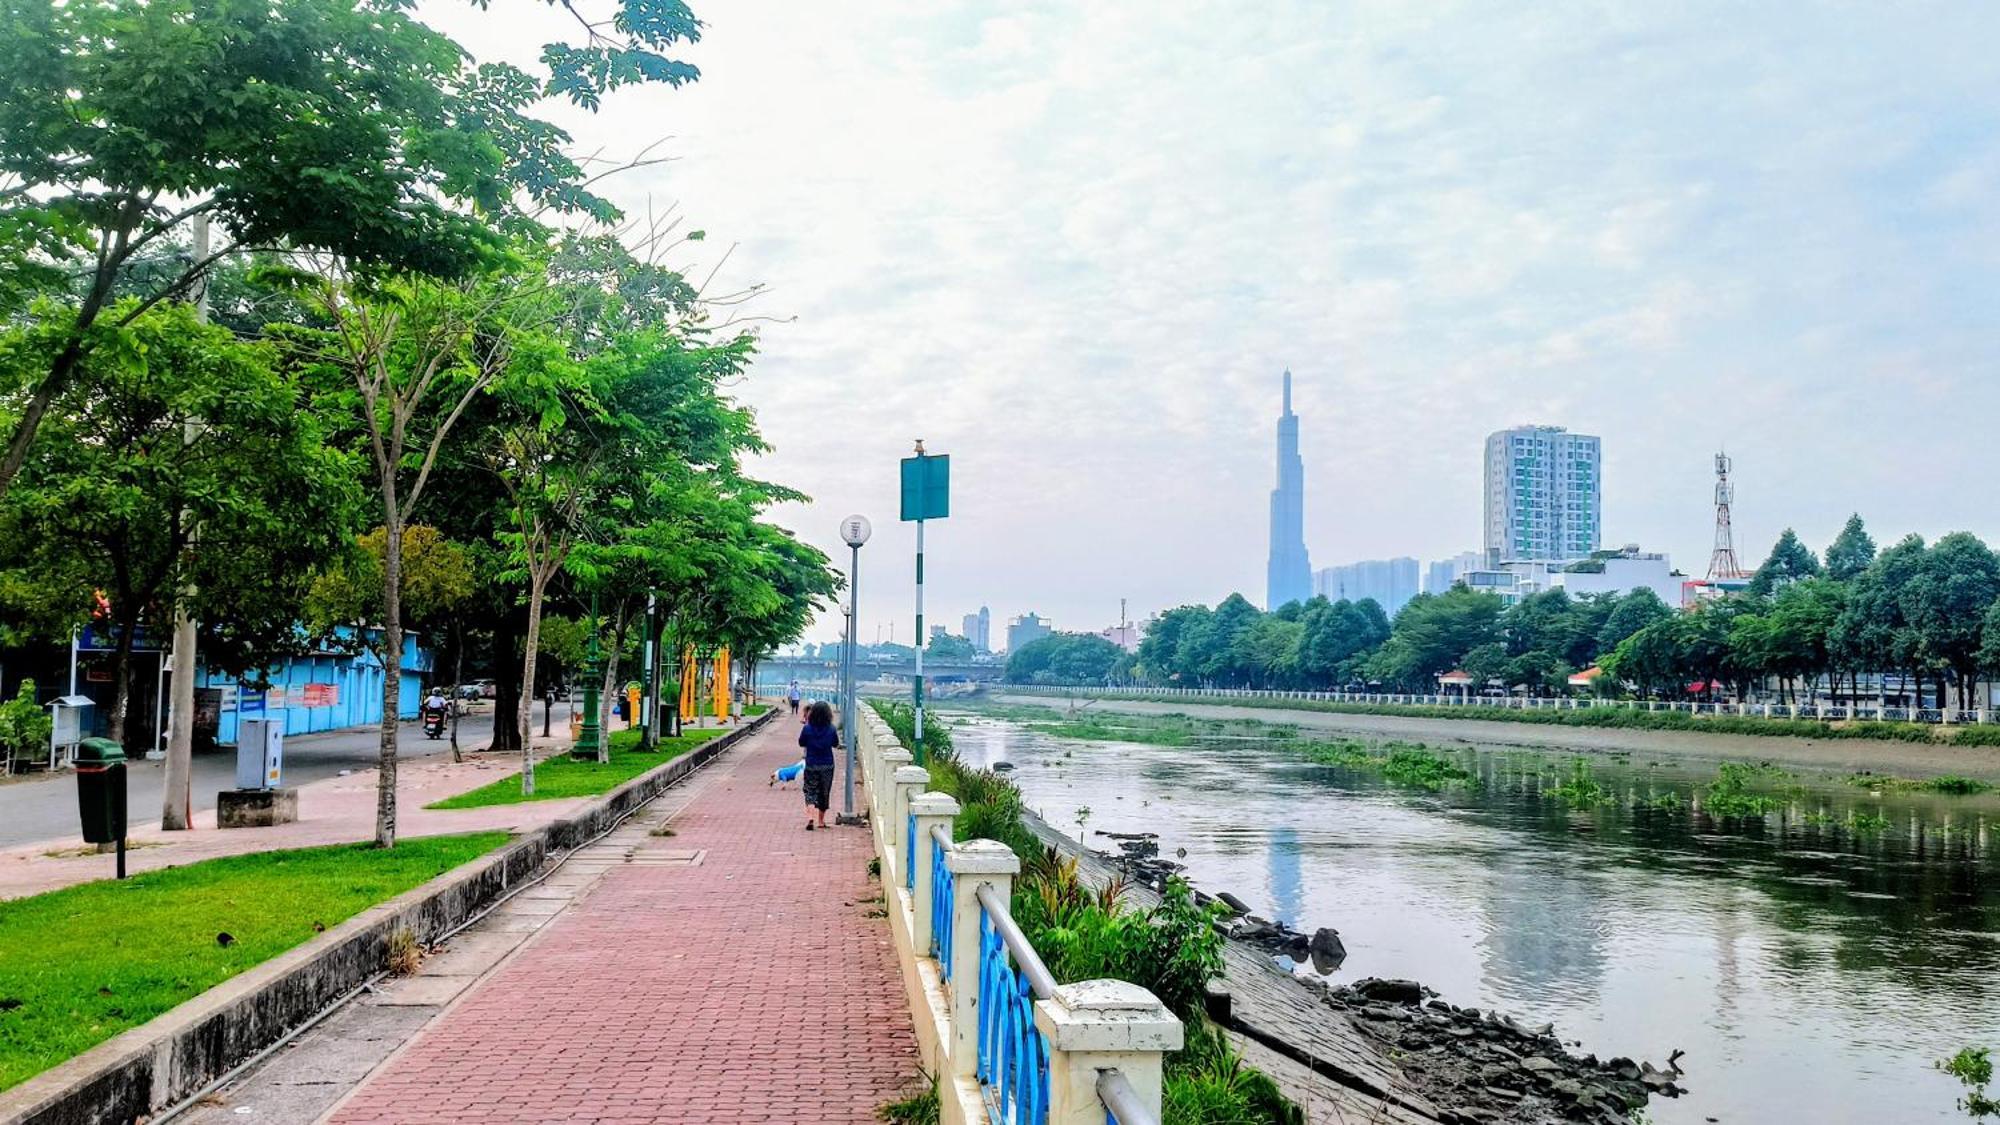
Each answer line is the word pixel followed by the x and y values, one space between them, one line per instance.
pixel 905 783
pixel 1098 1025
pixel 931 810
pixel 880 793
pixel 973 864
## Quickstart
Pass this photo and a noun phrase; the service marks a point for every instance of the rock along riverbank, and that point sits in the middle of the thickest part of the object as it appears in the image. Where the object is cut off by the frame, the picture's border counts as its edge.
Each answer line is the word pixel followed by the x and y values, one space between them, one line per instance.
pixel 1390 1041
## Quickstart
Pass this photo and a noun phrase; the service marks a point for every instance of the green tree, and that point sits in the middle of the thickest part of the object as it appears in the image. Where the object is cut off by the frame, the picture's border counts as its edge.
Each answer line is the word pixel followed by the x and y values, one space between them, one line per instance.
pixel 1945 604
pixel 1433 633
pixel 342 126
pixel 109 502
pixel 1789 561
pixel 948 646
pixel 1334 636
pixel 1850 552
pixel 1633 611
pixel 1074 659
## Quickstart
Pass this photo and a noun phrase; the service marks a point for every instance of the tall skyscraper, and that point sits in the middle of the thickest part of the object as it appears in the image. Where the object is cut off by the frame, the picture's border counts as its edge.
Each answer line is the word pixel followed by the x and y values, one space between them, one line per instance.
pixel 1288 575
pixel 978 628
pixel 1391 582
pixel 1544 495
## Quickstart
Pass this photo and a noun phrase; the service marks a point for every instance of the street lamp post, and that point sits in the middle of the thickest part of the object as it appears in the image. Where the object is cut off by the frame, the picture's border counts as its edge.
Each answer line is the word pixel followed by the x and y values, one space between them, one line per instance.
pixel 589 738
pixel 854 531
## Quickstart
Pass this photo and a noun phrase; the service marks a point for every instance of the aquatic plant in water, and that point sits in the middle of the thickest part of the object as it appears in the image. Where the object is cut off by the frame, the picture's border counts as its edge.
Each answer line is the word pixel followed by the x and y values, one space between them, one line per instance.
pixel 1728 795
pixel 1973 1066
pixel 1580 790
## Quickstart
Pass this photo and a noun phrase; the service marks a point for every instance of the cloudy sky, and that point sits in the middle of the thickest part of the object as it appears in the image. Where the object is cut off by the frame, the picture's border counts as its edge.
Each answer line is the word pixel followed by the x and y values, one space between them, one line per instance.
pixel 1073 244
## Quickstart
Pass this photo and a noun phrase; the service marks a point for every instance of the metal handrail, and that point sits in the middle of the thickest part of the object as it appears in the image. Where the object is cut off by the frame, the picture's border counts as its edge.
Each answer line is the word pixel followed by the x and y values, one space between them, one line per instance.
pixel 943 838
pixel 1026 961
pixel 1121 1103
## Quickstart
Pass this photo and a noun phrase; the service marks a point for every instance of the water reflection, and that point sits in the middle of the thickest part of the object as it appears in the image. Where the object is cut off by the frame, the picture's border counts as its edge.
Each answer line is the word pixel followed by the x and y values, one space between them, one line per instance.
pixel 1810 970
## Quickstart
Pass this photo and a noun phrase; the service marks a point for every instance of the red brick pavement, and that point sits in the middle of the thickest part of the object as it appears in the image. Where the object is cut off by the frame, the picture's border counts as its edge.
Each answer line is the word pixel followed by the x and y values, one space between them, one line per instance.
pixel 750 987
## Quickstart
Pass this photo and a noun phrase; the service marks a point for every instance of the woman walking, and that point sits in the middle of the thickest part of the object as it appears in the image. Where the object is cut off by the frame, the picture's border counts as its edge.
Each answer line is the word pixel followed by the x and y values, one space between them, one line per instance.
pixel 820 739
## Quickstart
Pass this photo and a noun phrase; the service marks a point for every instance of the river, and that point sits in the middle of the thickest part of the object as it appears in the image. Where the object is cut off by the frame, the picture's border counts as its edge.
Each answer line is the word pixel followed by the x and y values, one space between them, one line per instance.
pixel 1811 973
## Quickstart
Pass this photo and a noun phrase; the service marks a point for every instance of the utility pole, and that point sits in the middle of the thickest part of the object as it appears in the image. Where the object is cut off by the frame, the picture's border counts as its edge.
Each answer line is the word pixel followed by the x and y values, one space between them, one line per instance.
pixel 177 798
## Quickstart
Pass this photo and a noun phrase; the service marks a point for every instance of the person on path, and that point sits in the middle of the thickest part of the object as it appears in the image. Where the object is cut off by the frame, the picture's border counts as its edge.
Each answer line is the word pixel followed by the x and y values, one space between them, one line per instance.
pixel 792 696
pixel 820 739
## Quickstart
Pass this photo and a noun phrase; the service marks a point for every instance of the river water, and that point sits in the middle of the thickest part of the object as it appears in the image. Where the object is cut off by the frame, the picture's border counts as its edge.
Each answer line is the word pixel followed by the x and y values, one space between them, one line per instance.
pixel 1812 974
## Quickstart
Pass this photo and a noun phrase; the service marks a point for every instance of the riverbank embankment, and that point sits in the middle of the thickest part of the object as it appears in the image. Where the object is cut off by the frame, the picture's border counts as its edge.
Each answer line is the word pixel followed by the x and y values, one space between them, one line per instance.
pixel 1834 755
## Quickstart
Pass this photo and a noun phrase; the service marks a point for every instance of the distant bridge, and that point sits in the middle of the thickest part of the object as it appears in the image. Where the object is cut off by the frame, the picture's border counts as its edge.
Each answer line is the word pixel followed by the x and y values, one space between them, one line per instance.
pixel 781 669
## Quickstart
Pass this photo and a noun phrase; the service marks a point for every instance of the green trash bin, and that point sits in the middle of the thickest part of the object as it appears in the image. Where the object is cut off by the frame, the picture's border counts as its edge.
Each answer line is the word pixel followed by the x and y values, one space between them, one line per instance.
pixel 100 790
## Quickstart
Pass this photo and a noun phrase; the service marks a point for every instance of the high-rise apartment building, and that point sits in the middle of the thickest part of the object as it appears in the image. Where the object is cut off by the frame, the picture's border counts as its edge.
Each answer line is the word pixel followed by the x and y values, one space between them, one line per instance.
pixel 1288 574
pixel 1544 495
pixel 1026 630
pixel 1391 582
pixel 978 628
pixel 1444 573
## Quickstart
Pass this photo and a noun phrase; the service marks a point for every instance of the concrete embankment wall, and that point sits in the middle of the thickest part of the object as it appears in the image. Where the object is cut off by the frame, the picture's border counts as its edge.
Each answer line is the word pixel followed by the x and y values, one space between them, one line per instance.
pixel 166 1060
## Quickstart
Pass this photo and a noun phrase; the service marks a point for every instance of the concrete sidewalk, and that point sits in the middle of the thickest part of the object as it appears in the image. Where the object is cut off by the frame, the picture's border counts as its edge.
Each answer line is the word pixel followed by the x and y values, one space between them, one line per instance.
pixel 335 810
pixel 734 970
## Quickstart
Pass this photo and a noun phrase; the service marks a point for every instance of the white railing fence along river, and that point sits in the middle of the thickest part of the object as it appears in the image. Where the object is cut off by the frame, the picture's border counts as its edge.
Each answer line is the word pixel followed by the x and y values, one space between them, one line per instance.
pixel 1009 1045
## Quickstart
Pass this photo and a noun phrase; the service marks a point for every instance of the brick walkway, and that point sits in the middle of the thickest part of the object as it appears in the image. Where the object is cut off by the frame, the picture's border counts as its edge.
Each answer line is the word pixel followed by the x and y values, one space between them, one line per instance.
pixel 750 986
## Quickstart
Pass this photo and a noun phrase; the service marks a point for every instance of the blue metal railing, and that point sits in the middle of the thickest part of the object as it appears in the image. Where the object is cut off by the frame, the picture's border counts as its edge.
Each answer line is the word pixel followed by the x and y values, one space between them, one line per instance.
pixel 941 904
pixel 1013 1056
pixel 910 856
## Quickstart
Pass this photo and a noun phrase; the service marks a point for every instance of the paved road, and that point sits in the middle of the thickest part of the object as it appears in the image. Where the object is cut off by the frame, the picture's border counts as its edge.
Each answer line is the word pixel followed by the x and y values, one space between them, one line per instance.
pixel 43 806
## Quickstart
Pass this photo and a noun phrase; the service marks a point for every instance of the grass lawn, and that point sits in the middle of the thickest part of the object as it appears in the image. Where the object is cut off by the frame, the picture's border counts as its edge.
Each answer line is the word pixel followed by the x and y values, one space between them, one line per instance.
pixel 80 965
pixel 564 776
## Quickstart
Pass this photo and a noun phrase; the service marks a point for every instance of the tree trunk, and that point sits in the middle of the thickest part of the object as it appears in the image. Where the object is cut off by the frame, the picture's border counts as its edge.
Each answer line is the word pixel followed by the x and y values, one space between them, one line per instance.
pixel 121 677
pixel 610 683
pixel 392 665
pixel 524 714
pixel 506 693
pixel 457 678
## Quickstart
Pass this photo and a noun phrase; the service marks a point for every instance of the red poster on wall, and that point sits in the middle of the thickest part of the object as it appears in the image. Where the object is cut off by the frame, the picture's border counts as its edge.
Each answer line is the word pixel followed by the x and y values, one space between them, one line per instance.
pixel 318 695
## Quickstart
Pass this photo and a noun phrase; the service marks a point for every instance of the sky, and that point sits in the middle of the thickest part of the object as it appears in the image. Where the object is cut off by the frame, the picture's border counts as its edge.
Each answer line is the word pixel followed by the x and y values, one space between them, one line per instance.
pixel 1073 244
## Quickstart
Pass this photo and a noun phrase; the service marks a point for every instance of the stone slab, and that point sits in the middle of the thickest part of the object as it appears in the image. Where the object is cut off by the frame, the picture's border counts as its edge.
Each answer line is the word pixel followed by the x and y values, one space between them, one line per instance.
pixel 256 808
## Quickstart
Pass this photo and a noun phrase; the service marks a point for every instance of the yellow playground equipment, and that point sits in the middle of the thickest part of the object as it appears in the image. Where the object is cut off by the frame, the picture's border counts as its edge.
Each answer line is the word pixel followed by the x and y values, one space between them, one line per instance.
pixel 714 669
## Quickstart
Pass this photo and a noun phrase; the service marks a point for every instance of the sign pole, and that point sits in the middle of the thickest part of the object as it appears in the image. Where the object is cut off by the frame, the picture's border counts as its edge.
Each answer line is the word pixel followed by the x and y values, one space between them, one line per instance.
pixel 926 480
pixel 918 749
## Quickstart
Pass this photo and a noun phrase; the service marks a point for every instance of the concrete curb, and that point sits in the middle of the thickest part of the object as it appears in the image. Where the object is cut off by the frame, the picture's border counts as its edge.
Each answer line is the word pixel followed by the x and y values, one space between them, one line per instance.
pixel 168 1058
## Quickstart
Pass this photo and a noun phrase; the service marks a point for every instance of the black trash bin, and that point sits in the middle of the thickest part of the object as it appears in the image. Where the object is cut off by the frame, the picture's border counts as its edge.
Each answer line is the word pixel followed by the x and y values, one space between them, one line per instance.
pixel 100 790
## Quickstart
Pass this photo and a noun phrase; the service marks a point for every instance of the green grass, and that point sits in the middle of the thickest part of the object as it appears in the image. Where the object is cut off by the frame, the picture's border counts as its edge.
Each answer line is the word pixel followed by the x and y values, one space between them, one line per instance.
pixel 564 776
pixel 80 965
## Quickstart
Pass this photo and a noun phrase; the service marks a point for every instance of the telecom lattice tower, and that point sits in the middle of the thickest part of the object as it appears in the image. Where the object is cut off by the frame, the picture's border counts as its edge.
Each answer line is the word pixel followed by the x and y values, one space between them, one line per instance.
pixel 1723 564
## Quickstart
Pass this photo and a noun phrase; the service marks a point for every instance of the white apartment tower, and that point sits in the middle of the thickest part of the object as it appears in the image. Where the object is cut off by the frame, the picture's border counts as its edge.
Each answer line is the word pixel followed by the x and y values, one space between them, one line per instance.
pixel 1544 495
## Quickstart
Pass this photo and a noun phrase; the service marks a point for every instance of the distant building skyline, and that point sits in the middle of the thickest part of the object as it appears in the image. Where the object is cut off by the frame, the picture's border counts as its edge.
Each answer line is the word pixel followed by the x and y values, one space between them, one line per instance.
pixel 1544 497
pixel 978 628
pixel 1391 582
pixel 1444 573
pixel 1288 572
pixel 1026 630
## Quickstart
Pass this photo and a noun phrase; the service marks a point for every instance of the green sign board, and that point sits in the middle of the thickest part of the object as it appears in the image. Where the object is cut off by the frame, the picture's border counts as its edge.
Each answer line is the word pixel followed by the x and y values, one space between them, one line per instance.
pixel 926 487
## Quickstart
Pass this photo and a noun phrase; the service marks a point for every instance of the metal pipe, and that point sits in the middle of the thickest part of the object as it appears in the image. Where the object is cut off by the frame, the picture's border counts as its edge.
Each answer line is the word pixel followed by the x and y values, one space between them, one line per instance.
pixel 1123 1101
pixel 1026 961
pixel 942 837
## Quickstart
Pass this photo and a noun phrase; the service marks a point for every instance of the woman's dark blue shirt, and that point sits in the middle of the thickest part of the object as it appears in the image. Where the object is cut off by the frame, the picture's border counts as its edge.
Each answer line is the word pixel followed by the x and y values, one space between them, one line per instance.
pixel 819 742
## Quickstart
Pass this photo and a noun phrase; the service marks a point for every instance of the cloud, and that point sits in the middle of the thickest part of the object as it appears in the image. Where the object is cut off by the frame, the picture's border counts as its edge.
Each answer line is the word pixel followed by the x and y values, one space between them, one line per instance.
pixel 1073 245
